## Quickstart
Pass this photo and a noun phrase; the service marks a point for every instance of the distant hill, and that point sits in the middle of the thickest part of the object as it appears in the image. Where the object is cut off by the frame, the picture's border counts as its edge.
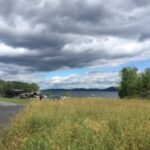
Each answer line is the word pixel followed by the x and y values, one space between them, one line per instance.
pixel 109 89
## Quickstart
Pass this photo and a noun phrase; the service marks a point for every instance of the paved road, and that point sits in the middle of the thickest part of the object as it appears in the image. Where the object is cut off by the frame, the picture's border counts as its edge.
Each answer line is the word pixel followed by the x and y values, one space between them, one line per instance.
pixel 8 112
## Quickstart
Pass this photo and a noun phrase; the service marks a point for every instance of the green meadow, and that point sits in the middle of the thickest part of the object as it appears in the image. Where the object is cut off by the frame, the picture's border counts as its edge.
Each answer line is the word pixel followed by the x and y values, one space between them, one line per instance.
pixel 80 124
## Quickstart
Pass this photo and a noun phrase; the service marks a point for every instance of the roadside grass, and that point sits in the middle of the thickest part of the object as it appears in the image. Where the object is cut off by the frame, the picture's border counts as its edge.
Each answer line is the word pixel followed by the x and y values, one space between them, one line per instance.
pixel 1 107
pixel 15 100
pixel 77 124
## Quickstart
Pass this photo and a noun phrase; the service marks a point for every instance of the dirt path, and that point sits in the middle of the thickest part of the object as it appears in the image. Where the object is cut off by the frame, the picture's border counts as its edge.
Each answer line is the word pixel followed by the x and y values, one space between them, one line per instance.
pixel 7 112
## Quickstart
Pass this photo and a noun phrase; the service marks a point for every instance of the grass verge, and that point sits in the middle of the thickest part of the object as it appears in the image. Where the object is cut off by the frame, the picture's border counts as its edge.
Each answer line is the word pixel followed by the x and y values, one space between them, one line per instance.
pixel 1 107
pixel 81 125
pixel 14 100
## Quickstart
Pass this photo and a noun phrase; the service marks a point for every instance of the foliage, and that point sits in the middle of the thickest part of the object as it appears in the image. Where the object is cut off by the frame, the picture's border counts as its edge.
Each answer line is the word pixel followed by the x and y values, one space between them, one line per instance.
pixel 6 86
pixel 81 125
pixel 134 84
pixel 2 88
pixel 146 83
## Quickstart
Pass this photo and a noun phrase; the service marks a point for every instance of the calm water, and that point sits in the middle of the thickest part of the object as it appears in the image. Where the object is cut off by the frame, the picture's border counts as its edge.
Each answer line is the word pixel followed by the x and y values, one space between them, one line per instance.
pixel 101 94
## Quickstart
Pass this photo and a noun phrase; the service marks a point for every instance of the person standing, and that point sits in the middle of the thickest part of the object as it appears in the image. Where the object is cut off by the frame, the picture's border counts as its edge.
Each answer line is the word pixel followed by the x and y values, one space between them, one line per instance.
pixel 41 96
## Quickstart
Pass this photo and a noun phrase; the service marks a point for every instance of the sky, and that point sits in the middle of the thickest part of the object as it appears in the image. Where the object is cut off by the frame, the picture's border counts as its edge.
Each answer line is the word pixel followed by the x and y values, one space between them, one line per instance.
pixel 73 43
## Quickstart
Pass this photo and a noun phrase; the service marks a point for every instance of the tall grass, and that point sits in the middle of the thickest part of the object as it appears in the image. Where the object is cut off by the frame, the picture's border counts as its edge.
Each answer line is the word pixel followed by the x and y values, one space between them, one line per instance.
pixel 81 125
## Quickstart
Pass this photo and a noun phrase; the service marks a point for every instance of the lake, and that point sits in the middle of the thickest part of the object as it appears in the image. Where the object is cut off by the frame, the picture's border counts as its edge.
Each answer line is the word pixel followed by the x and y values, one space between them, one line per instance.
pixel 92 93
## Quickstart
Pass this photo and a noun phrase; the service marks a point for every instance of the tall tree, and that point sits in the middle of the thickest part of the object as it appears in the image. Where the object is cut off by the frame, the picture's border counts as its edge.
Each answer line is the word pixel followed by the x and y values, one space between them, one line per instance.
pixel 146 83
pixel 129 86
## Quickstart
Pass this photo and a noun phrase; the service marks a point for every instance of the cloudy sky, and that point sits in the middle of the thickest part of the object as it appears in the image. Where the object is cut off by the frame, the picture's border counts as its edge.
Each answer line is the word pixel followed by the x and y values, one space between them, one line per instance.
pixel 73 43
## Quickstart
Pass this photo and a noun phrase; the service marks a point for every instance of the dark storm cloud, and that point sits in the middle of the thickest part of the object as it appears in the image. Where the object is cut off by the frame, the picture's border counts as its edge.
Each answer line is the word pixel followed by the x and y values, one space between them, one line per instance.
pixel 32 38
pixel 73 33
pixel 142 2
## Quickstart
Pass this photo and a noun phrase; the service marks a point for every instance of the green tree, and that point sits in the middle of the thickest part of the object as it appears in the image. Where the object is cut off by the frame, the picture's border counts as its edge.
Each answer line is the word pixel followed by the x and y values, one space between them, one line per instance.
pixel 7 86
pixel 34 87
pixel 130 82
pixel 2 87
pixel 28 87
pixel 146 83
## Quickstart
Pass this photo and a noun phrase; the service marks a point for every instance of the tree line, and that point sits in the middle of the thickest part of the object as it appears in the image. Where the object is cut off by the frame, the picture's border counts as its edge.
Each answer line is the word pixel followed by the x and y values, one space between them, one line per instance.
pixel 7 86
pixel 134 83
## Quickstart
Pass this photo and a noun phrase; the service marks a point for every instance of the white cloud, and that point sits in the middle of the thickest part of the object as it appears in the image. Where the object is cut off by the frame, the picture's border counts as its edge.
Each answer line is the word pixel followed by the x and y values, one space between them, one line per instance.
pixel 89 80
pixel 108 50
pixel 7 51
pixel 108 46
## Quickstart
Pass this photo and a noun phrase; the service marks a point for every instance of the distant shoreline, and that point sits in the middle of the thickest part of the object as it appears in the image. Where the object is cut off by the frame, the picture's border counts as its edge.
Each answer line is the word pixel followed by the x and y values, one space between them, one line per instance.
pixel 109 89
pixel 101 93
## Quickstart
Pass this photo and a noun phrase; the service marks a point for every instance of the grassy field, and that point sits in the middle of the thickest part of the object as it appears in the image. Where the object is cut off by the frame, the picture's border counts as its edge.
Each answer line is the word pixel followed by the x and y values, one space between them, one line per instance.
pixel 80 124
